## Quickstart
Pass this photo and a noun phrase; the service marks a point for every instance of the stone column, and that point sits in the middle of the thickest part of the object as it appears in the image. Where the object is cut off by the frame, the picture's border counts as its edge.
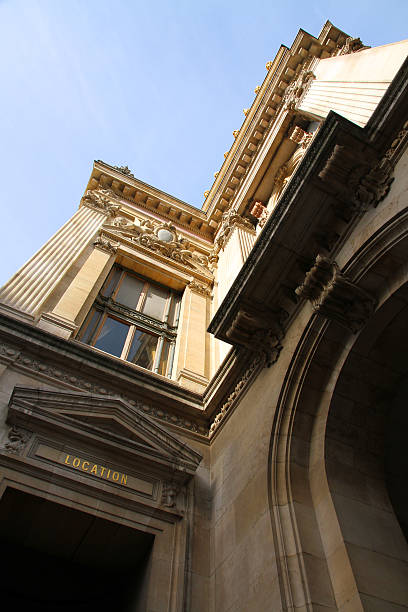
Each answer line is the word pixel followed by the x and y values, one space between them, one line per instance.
pixel 191 357
pixel 62 320
pixel 25 293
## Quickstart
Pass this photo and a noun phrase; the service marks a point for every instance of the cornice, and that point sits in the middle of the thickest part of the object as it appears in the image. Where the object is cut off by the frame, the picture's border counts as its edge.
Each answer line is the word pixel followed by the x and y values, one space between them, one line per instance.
pixel 136 192
pixel 261 116
pixel 346 170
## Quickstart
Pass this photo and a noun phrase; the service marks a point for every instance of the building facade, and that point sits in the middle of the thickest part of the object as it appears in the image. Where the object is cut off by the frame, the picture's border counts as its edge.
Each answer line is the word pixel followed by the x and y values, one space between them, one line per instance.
pixel 204 410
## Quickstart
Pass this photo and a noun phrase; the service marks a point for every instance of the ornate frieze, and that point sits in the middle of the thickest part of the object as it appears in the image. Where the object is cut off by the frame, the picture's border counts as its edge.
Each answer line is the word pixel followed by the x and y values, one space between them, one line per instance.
pixel 335 296
pixel 68 378
pixel 103 243
pixel 18 439
pixel 102 200
pixel 160 238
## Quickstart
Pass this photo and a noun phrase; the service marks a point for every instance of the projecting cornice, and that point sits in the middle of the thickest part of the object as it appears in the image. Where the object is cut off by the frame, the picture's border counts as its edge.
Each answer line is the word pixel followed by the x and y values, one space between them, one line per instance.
pixel 346 170
pixel 288 69
pixel 144 196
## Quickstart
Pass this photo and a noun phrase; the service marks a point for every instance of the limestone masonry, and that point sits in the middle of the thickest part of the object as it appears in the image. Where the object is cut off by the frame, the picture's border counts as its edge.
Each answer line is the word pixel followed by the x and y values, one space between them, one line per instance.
pixel 205 410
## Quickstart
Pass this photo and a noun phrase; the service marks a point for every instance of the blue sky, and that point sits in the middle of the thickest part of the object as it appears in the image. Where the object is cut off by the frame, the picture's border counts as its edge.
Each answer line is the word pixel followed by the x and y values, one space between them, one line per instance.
pixel 158 86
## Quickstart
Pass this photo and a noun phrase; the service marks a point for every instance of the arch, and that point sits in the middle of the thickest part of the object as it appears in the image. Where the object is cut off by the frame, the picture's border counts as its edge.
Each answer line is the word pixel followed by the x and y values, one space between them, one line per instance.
pixel 313 562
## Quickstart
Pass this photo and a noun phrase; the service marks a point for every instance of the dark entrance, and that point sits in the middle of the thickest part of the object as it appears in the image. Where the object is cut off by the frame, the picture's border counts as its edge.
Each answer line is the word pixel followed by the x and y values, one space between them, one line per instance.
pixel 60 559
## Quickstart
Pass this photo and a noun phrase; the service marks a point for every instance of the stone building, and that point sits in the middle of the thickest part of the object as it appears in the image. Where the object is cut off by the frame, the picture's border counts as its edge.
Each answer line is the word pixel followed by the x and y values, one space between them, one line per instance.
pixel 204 410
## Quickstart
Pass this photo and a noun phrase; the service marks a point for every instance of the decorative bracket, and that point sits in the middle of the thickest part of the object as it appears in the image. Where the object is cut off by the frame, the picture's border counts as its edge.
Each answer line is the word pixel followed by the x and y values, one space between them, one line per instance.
pixel 336 297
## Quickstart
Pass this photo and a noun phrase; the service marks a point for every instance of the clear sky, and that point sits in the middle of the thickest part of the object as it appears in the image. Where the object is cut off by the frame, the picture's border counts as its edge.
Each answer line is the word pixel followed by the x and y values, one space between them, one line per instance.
pixel 159 86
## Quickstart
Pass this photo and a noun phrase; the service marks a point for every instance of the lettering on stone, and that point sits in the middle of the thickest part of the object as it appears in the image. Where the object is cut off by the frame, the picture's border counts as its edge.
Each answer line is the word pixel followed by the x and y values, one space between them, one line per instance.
pixel 95 469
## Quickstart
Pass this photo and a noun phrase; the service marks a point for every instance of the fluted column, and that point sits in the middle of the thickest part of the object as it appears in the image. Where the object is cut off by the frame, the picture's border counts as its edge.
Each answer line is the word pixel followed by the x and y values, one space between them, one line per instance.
pixel 31 286
pixel 63 319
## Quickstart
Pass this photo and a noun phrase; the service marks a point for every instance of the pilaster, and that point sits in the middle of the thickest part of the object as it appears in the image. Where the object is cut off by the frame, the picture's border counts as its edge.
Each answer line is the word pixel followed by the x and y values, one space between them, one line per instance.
pixel 62 320
pixel 30 287
pixel 191 359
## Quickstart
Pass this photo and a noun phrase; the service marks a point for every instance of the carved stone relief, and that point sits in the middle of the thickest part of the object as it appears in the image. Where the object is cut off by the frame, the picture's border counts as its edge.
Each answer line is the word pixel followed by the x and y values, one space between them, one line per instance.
pixel 296 91
pixel 103 243
pixel 230 219
pixel 18 439
pixel 101 200
pixel 336 297
pixel 160 238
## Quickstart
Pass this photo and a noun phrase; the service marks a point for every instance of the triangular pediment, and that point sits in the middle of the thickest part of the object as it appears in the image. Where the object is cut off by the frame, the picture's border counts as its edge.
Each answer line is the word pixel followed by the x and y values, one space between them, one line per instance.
pixel 110 420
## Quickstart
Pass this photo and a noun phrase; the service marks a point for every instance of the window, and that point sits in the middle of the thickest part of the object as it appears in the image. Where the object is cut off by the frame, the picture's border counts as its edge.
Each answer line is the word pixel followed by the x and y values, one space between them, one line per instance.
pixel 134 319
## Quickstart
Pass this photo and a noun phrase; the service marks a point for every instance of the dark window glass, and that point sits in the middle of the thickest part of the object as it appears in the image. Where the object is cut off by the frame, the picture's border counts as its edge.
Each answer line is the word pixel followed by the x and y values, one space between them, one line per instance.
pixel 129 291
pixel 90 325
pixel 112 336
pixel 111 282
pixel 143 349
pixel 155 303
pixel 164 358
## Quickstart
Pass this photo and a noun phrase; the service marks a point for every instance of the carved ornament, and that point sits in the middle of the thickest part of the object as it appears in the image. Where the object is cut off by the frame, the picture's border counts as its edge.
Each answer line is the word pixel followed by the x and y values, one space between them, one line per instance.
pixel 260 212
pixel 260 330
pixel 358 183
pixel 77 382
pixel 233 398
pixel 101 200
pixel 301 137
pixel 297 89
pixel 103 243
pixel 200 288
pixel 336 297
pixel 124 170
pixel 352 45
pixel 160 238
pixel 18 439
pixel 170 492
pixel 230 219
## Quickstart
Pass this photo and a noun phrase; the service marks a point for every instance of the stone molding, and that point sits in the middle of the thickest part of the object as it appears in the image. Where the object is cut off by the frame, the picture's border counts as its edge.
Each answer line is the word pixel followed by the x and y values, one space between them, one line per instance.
pixel 336 297
pixel 297 90
pixel 70 378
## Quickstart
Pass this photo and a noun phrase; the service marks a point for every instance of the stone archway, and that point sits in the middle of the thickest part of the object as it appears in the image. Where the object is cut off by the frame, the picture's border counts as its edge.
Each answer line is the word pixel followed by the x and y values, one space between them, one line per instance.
pixel 311 534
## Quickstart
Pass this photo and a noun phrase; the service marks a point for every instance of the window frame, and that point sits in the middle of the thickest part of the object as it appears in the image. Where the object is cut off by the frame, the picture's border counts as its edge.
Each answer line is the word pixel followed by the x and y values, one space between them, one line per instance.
pixel 105 306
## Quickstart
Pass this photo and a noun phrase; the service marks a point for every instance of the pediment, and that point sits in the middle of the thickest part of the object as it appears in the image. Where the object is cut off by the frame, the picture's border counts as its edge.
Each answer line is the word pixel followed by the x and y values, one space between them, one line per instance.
pixel 111 421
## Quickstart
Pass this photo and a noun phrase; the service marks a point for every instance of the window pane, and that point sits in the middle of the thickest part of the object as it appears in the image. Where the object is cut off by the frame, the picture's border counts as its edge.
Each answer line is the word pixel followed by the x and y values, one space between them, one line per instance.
pixel 90 324
pixel 155 302
pixel 172 320
pixel 129 291
pixel 112 336
pixel 143 349
pixel 164 358
pixel 111 282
